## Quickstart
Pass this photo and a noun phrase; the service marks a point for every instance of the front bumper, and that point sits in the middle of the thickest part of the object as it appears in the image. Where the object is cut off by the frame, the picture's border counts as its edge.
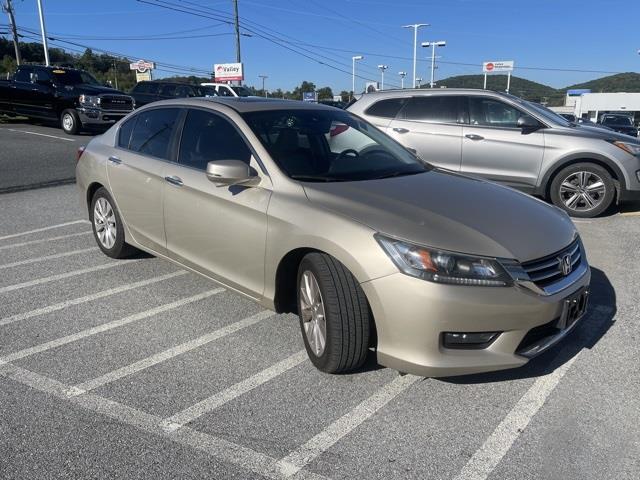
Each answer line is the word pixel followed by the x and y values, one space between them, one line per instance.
pixel 412 314
pixel 95 116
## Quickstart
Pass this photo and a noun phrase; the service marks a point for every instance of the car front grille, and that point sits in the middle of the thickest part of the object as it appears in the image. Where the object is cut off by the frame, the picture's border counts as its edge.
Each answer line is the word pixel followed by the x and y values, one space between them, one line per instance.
pixel 548 270
pixel 116 103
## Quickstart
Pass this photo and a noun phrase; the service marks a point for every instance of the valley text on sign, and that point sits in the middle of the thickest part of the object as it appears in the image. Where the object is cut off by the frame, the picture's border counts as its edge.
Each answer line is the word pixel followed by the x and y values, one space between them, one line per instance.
pixel 502 66
pixel 228 72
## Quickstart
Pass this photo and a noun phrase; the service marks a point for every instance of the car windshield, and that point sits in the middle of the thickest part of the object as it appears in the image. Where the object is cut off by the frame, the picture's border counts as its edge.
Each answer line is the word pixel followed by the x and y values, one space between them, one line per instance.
pixel 330 146
pixel 241 91
pixel 73 77
pixel 618 120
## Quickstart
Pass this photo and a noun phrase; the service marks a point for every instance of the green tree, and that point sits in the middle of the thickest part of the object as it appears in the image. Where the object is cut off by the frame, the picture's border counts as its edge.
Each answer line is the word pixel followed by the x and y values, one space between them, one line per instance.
pixel 303 88
pixel 325 93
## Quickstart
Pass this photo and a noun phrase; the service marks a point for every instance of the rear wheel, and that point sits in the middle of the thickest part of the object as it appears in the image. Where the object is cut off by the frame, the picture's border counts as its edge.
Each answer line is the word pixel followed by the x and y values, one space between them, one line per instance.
pixel 108 229
pixel 70 122
pixel 334 314
pixel 583 190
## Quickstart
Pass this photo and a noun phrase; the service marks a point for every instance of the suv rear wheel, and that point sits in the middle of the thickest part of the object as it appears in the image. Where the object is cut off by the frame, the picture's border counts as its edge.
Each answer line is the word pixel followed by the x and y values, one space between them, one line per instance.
pixel 583 190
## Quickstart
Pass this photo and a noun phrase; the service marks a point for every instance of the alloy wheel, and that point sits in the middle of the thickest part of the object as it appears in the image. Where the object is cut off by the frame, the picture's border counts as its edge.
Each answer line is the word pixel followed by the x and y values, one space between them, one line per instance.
pixel 582 191
pixel 313 313
pixel 104 221
pixel 67 121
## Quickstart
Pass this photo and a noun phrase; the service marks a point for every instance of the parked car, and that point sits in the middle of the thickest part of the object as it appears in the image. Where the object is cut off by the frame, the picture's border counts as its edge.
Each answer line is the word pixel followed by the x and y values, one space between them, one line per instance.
pixel 227 90
pixel 72 97
pixel 620 123
pixel 334 103
pixel 440 273
pixel 152 91
pixel 505 139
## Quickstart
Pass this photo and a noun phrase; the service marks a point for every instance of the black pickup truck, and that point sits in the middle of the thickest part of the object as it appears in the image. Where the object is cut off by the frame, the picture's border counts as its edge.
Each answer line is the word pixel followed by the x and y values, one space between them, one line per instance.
pixel 72 97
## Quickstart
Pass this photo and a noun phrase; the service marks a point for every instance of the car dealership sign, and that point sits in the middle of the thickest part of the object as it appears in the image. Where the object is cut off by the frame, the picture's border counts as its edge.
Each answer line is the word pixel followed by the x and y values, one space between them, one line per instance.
pixel 142 69
pixel 495 67
pixel 228 72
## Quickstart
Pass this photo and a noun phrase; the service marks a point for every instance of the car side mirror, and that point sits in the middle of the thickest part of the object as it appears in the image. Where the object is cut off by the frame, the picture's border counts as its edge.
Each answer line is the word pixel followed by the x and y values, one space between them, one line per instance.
pixel 232 172
pixel 528 124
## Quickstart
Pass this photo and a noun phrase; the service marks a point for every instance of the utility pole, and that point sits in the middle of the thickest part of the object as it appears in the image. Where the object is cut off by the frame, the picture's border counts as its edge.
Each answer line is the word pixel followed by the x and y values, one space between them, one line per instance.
pixel 115 73
pixel 415 27
pixel 263 77
pixel 237 27
pixel 44 34
pixel 8 8
pixel 433 46
pixel 402 75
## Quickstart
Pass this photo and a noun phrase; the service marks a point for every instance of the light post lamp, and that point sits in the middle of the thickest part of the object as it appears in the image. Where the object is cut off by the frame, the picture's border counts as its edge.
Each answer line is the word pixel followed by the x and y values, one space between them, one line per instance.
pixel 382 69
pixel 402 75
pixel 263 77
pixel 433 46
pixel 415 27
pixel 353 74
pixel 418 81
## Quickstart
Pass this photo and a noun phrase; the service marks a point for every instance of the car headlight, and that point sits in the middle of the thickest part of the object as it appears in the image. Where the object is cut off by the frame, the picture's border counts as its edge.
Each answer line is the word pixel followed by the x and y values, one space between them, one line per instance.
pixel 89 100
pixel 444 267
pixel 632 148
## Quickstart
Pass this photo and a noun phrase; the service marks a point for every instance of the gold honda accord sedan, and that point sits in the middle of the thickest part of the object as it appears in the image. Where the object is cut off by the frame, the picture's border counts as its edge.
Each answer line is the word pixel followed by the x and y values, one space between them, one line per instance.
pixel 374 249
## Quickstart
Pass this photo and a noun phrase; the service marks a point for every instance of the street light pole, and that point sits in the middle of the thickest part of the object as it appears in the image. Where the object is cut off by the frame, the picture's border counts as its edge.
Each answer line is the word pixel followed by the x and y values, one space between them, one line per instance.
pixel 402 75
pixel 433 46
pixel 44 33
pixel 382 69
pixel 353 74
pixel 415 27
pixel 263 77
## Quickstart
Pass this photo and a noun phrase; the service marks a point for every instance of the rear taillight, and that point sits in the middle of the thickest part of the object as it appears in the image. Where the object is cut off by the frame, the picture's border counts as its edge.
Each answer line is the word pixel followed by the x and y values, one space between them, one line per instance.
pixel 338 129
pixel 79 153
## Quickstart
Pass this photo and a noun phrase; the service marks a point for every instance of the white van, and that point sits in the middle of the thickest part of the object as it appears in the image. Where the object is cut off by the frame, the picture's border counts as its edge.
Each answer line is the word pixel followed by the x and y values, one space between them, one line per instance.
pixel 226 90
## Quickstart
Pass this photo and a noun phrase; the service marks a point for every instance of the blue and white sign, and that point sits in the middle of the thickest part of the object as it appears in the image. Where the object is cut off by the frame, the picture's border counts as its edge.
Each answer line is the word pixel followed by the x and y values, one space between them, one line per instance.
pixel 309 97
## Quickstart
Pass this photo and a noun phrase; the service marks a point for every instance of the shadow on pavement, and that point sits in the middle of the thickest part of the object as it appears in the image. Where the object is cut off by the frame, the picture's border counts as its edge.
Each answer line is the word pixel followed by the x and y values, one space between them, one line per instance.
pixel 592 327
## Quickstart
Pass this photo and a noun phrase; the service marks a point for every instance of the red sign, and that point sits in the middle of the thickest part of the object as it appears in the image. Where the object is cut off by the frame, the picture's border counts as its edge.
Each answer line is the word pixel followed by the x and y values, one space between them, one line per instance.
pixel 489 67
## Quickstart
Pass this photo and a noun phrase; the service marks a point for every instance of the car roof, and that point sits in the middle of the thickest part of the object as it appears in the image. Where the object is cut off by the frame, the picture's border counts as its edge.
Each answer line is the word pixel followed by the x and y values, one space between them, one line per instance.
pixel 246 104
pixel 409 92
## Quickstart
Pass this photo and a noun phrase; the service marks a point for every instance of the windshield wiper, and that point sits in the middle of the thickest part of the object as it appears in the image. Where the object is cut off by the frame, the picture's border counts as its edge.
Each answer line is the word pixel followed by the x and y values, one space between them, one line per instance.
pixel 398 173
pixel 317 178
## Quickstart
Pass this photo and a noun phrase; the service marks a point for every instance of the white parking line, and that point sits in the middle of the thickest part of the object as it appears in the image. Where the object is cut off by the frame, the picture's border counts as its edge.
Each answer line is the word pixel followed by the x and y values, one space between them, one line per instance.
pixel 215 401
pixel 43 347
pixel 87 298
pixel 40 134
pixel 168 354
pixel 496 446
pixel 43 229
pixel 44 240
pixel 218 448
pixel 47 257
pixel 298 459
pixel 61 276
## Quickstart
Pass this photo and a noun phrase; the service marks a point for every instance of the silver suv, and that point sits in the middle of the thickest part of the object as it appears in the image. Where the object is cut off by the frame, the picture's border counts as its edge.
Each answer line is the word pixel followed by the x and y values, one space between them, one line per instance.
pixel 503 138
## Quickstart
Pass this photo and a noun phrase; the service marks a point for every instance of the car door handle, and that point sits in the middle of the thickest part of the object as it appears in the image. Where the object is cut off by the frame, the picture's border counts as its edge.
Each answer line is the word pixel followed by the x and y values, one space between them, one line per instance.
pixel 115 160
pixel 473 136
pixel 400 130
pixel 173 180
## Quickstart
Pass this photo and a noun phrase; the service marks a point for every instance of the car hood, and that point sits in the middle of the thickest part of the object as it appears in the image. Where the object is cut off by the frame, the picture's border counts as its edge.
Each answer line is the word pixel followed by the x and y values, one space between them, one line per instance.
pixel 94 89
pixel 599 132
pixel 451 212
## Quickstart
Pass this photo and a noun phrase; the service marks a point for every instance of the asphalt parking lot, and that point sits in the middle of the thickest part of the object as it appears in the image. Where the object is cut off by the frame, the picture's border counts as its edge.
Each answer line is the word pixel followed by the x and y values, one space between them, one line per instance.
pixel 137 369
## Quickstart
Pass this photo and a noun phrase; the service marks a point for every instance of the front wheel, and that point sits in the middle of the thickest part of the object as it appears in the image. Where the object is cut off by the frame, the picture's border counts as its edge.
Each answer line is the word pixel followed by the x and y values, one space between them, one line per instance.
pixel 70 122
pixel 335 318
pixel 583 190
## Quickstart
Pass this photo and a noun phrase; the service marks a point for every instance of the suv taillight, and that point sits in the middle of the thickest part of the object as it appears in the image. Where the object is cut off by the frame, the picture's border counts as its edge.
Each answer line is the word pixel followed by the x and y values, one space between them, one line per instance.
pixel 79 153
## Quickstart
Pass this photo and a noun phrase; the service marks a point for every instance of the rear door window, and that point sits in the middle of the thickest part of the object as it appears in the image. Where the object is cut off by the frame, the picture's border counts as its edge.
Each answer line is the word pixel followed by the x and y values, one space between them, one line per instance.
pixel 433 108
pixel 388 108
pixel 153 131
pixel 168 90
pixel 124 133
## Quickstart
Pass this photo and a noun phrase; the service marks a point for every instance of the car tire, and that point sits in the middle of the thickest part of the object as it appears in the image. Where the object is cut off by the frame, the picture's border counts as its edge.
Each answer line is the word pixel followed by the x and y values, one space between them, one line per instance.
pixel 583 190
pixel 339 307
pixel 70 122
pixel 107 226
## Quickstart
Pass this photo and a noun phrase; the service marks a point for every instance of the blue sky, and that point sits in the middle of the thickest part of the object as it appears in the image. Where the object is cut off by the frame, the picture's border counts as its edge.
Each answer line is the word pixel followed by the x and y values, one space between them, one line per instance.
pixel 598 35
